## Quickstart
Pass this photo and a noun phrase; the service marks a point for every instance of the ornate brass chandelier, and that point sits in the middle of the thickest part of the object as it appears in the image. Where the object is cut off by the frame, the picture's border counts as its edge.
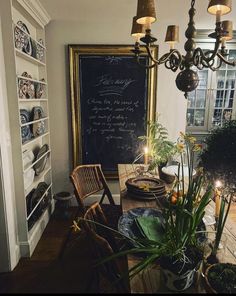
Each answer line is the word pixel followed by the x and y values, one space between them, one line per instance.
pixel 187 79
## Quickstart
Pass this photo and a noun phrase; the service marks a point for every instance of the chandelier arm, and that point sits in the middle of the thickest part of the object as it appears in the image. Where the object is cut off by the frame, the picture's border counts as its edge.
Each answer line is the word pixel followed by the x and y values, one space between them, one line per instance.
pixel 150 55
pixel 175 62
pixel 172 55
pixel 173 67
pixel 222 58
pixel 204 56
pixel 218 66
pixel 144 66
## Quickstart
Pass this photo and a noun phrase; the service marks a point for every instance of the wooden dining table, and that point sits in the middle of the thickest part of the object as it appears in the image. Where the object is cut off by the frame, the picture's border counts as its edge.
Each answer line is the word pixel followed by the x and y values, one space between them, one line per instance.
pixel 149 280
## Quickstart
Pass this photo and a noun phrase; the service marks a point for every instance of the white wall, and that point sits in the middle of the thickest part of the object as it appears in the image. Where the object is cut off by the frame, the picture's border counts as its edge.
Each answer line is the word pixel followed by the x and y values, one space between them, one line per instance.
pixel 108 22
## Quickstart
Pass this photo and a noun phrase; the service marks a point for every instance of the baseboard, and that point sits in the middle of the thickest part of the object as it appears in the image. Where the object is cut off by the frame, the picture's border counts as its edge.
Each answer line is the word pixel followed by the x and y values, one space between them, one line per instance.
pixel 27 247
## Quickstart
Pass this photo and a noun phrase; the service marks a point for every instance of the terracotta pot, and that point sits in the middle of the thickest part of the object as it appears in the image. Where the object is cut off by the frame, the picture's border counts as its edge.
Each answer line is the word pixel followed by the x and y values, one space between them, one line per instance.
pixel 208 287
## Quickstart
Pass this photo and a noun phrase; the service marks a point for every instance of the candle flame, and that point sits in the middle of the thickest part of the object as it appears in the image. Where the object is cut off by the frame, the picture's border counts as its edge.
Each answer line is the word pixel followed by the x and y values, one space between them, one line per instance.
pixel 218 184
pixel 145 150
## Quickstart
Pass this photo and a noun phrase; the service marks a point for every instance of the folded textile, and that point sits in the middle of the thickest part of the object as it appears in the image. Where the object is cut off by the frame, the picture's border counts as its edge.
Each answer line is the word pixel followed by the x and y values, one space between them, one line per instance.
pixel 150 227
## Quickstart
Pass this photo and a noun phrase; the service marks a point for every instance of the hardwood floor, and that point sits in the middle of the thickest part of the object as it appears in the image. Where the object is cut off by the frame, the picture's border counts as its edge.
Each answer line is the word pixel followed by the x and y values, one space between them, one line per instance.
pixel 44 272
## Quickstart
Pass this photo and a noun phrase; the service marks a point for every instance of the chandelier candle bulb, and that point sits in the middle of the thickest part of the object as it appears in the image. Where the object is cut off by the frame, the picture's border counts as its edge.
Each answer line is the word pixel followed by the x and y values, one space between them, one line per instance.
pixel 227 27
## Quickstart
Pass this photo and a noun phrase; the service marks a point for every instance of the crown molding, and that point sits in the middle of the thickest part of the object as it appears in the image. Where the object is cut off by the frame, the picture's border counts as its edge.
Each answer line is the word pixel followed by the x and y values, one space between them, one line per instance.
pixel 36 10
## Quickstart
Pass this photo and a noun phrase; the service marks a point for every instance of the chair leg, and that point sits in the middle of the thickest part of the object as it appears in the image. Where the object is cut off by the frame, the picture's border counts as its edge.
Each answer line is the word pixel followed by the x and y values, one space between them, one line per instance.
pixel 68 237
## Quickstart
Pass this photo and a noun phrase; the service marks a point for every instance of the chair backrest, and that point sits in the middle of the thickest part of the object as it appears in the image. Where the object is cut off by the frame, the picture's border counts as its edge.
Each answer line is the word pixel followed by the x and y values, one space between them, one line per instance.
pixel 96 214
pixel 102 244
pixel 89 179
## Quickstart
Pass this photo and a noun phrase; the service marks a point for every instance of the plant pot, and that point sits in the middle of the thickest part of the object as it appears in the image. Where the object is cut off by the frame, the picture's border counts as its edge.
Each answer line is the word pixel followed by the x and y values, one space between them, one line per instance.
pixel 220 278
pixel 175 282
pixel 176 278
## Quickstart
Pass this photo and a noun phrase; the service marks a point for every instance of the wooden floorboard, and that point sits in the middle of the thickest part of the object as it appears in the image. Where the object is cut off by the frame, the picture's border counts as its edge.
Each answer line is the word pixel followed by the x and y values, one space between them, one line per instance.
pixel 44 272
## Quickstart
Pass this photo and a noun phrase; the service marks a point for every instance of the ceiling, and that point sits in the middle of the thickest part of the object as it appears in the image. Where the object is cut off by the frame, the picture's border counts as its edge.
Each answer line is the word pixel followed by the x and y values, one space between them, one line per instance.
pixel 99 10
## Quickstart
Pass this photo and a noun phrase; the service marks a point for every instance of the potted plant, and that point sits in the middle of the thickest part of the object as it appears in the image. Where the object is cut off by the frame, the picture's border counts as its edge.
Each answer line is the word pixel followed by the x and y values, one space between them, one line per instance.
pixel 160 148
pixel 179 251
pixel 219 158
pixel 221 278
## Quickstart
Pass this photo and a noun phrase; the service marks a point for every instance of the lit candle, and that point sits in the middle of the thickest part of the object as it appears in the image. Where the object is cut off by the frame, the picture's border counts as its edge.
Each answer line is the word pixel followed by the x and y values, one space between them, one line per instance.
pixel 217 198
pixel 145 155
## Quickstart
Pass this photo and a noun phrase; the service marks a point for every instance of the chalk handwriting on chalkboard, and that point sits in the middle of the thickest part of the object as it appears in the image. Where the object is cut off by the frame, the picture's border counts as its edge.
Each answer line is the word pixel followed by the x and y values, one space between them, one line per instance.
pixel 113 109
pixel 112 86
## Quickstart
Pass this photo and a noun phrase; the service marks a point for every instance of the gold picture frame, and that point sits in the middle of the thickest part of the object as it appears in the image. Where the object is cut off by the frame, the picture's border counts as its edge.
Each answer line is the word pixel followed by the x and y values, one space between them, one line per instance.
pixel 81 59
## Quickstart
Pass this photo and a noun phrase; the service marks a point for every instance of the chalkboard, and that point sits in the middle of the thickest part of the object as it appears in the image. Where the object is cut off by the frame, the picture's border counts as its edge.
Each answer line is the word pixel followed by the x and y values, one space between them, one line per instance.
pixel 114 94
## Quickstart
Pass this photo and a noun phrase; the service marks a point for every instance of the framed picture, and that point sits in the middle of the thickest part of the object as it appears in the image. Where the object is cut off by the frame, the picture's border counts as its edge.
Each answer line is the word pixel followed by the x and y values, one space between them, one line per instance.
pixel 112 99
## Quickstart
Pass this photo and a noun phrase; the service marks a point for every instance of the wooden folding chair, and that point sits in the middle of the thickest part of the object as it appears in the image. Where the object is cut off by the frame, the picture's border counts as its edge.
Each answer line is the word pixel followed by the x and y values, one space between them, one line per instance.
pixel 89 180
pixel 102 244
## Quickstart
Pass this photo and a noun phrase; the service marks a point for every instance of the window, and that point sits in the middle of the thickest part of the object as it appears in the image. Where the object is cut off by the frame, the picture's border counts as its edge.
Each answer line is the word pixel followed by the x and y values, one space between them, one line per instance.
pixel 214 100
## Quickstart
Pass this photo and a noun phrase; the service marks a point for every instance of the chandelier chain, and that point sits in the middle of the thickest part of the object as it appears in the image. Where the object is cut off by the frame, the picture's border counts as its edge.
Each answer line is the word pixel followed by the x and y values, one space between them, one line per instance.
pixel 193 3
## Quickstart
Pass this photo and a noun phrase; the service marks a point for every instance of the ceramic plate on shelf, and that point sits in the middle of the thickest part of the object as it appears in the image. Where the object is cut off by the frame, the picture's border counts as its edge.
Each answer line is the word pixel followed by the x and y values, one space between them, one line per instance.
pixel 40 165
pixel 22 39
pixel 36 196
pixel 28 201
pixel 127 224
pixel 26 88
pixel 38 128
pixel 43 186
pixel 40 91
pixel 25 130
pixel 40 51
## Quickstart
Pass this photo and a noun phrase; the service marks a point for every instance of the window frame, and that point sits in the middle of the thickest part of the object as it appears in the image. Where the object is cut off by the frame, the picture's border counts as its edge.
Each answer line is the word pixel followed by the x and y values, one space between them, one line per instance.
pixel 202 40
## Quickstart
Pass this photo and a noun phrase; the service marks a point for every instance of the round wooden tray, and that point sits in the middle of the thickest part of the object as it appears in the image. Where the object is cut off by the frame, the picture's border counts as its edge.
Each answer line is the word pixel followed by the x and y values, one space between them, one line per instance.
pixel 145 181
